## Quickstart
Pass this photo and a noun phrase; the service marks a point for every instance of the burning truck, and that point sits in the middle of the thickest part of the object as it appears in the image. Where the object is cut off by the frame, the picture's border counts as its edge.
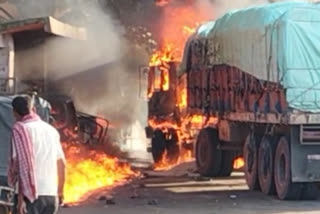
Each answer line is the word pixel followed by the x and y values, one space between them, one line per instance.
pixel 247 86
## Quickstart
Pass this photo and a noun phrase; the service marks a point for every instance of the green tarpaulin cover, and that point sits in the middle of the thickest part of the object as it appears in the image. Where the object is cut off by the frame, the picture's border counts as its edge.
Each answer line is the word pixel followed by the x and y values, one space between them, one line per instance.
pixel 278 42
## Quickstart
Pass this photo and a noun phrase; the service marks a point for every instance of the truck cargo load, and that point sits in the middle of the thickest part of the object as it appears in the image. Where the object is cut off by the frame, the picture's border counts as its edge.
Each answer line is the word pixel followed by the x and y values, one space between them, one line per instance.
pixel 278 43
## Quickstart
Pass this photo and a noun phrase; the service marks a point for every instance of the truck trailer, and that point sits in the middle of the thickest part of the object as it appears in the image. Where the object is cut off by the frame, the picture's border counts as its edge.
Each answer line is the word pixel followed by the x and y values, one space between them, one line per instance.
pixel 256 71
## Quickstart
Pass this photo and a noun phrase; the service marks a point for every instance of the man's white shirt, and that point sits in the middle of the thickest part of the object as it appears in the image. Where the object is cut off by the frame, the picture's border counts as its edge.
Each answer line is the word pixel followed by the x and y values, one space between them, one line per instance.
pixel 47 150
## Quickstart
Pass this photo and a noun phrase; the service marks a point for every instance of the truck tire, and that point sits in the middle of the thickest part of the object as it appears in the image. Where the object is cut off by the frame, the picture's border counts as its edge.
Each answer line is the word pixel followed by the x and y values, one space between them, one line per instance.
pixel 226 163
pixel 158 145
pixel 208 157
pixel 172 146
pixel 266 154
pixel 309 191
pixel 286 190
pixel 250 155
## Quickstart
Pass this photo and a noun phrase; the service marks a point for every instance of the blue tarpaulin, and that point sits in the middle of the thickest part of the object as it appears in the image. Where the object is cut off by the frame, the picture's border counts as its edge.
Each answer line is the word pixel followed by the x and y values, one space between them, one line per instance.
pixel 278 42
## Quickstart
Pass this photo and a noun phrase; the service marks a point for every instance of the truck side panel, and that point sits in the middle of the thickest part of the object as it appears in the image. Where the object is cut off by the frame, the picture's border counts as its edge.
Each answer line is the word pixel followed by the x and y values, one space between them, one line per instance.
pixel 226 89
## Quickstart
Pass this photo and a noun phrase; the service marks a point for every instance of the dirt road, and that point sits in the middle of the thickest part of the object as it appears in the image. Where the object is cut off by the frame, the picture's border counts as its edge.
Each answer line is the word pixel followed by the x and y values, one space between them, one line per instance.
pixel 187 195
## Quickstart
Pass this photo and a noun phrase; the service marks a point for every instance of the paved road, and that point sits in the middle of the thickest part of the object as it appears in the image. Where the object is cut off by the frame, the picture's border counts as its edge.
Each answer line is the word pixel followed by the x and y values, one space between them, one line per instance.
pixel 184 195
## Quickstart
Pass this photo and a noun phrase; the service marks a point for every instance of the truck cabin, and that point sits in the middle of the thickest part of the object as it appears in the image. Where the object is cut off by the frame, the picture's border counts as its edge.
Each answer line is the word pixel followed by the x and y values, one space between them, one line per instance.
pixel 167 83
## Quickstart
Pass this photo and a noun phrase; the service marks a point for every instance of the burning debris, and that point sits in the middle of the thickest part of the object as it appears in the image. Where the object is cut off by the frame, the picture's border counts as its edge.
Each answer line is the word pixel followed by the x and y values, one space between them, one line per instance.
pixel 90 170
pixel 185 133
pixel 238 163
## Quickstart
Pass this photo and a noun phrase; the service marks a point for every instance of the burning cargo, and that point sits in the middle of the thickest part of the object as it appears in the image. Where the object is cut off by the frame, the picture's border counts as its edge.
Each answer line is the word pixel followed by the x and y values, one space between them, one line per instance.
pixel 252 77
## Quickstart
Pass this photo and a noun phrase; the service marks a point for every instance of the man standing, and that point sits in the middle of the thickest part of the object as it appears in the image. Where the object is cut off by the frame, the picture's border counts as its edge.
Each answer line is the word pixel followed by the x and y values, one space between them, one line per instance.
pixel 37 160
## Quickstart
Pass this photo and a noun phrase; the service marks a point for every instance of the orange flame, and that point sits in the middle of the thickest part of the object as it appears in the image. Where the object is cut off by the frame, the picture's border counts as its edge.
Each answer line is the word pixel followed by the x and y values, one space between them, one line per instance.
pixel 163 56
pixel 162 3
pixel 189 30
pixel 162 125
pixel 238 163
pixel 165 164
pixel 165 84
pixel 182 96
pixel 160 59
pixel 91 170
pixel 179 22
pixel 197 119
pixel 184 134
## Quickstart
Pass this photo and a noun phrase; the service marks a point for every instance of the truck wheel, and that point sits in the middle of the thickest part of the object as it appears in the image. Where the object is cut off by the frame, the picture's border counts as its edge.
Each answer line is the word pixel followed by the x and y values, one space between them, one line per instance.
pixel 226 163
pixel 286 190
pixel 172 147
pixel 208 157
pixel 250 155
pixel 309 191
pixel 158 144
pixel 265 164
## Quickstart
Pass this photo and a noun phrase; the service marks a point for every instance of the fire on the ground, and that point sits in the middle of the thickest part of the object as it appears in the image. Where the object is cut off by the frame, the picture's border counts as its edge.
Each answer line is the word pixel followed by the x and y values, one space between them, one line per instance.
pixel 89 170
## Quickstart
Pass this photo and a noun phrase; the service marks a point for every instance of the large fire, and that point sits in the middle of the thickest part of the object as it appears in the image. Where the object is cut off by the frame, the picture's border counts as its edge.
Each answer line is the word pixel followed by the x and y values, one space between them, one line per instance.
pixel 89 170
pixel 179 21
pixel 184 134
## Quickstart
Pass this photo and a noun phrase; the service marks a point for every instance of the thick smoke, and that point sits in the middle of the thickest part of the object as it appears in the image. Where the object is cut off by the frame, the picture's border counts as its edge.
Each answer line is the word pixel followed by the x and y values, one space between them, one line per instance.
pixel 104 43
pixel 100 74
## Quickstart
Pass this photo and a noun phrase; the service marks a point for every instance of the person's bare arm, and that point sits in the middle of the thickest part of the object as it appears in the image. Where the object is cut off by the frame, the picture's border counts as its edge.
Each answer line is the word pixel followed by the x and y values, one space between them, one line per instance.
pixel 21 206
pixel 61 167
pixel 61 175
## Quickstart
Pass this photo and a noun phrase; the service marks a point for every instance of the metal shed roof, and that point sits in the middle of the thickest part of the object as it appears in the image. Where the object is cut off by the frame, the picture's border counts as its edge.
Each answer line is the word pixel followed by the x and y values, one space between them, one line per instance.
pixel 46 24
